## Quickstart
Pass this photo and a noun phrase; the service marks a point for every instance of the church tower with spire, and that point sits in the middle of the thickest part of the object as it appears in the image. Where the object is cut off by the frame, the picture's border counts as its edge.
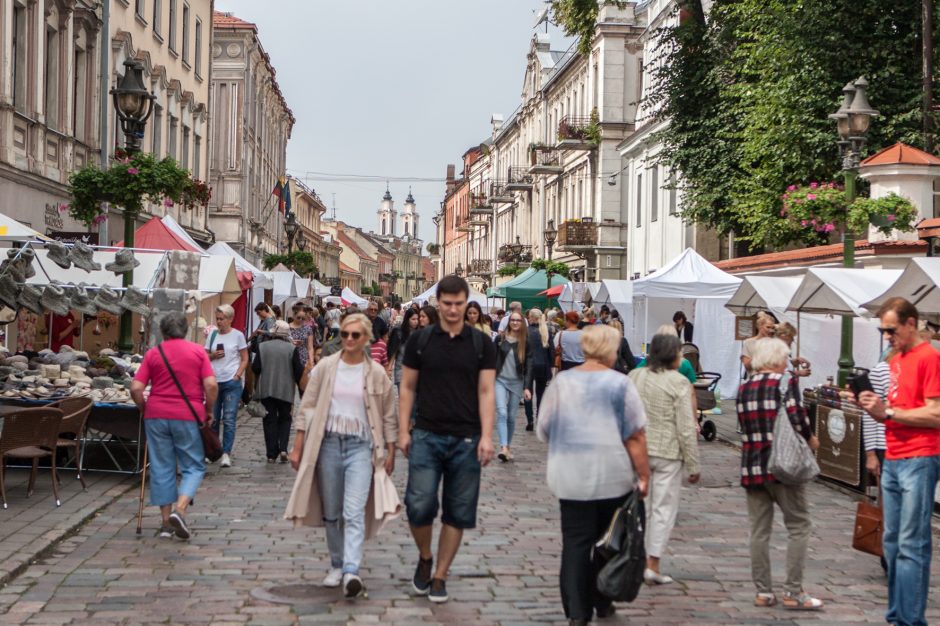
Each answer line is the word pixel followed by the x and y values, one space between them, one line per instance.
pixel 409 217
pixel 387 214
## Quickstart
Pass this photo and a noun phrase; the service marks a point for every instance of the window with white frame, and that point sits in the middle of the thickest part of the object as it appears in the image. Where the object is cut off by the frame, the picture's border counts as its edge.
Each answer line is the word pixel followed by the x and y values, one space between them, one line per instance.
pixel 172 25
pixel 80 87
pixel 197 56
pixel 639 200
pixel 184 158
pixel 654 193
pixel 156 127
pixel 173 137
pixel 197 157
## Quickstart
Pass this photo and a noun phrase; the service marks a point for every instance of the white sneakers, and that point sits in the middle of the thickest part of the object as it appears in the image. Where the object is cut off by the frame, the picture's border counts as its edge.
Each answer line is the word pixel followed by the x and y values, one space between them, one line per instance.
pixel 333 578
pixel 226 461
pixel 655 578
pixel 352 586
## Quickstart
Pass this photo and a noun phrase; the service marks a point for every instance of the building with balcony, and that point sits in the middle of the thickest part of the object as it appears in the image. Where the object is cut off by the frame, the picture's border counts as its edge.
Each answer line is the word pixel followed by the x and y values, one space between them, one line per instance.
pixel 251 126
pixel 309 209
pixel 353 255
pixel 49 106
pixel 328 261
pixel 552 157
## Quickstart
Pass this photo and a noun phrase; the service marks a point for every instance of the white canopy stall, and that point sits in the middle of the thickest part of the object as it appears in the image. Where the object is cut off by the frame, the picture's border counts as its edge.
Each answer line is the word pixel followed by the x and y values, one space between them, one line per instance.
pixel 763 293
pixel 430 296
pixel 919 283
pixel 350 296
pixel 260 280
pixel 691 284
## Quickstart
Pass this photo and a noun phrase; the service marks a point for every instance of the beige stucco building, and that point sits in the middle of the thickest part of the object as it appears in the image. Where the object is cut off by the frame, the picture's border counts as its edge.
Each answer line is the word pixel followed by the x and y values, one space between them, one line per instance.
pixel 309 208
pixel 251 126
pixel 49 103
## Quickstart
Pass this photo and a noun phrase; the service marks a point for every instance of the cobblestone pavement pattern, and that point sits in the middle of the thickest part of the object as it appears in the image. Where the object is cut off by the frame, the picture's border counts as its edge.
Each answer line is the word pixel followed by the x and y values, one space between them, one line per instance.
pixel 506 572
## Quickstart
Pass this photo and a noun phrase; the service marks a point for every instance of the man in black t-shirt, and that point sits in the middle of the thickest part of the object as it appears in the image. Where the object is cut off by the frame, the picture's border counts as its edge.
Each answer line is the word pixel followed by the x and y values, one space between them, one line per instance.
pixel 452 370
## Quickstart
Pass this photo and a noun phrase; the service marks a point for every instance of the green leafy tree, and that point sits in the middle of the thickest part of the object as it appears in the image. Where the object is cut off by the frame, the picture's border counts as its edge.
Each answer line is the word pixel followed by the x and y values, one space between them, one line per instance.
pixel 577 18
pixel 747 93
pixel 300 261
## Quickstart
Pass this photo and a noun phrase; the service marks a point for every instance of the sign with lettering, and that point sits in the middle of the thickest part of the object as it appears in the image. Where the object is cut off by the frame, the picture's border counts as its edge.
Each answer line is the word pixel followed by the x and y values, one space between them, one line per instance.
pixel 71 237
pixel 53 218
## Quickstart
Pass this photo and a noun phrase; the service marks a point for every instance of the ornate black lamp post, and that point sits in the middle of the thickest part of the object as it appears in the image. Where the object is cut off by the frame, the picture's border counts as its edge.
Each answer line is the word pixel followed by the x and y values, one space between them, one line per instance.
pixel 551 235
pixel 290 229
pixel 133 104
pixel 853 120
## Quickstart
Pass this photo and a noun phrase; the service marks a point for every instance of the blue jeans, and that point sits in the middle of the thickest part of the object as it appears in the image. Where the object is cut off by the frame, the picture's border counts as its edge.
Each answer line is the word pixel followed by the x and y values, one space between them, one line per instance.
pixel 433 457
pixel 344 477
pixel 908 496
pixel 171 443
pixel 226 410
pixel 508 395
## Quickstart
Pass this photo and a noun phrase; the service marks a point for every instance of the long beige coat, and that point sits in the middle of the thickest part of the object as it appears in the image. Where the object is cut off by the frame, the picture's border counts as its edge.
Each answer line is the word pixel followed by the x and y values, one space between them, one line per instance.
pixel 305 507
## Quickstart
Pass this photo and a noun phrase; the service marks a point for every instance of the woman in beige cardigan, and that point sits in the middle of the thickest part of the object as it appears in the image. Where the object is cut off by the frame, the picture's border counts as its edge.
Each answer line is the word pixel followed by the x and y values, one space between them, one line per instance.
pixel 347 427
pixel 671 444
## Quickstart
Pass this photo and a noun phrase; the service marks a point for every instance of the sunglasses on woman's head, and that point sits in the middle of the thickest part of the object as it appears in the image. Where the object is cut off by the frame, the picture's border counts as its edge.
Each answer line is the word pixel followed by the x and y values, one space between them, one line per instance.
pixel 345 334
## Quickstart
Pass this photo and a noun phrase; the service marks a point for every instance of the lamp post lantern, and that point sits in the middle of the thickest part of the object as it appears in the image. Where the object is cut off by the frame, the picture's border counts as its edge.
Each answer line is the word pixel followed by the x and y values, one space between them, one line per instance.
pixel 290 229
pixel 551 235
pixel 853 119
pixel 133 105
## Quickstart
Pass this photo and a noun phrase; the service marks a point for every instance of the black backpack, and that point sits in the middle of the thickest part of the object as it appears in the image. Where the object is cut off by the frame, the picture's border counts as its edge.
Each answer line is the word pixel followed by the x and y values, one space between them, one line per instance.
pixel 423 336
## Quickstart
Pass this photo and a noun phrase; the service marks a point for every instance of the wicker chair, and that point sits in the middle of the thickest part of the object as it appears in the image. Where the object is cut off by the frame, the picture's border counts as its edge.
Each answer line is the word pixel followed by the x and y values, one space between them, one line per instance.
pixel 76 411
pixel 30 434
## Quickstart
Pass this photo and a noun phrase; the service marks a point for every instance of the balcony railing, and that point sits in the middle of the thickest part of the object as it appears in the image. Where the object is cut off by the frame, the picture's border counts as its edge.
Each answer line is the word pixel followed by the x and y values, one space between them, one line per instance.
pixel 519 178
pixel 507 254
pixel 571 127
pixel 546 163
pixel 500 193
pixel 480 267
pixel 577 234
pixel 386 278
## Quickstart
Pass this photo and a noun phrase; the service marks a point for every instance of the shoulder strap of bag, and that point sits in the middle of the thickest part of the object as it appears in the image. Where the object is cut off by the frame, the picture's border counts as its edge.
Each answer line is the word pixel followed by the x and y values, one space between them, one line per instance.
pixel 211 339
pixel 178 386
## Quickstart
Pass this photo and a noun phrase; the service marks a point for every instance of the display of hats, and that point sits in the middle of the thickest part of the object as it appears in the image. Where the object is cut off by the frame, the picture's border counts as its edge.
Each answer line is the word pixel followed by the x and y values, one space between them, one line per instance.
pixel 14 270
pixel 23 260
pixel 135 300
pixel 30 299
pixel 58 253
pixel 53 299
pixel 109 300
pixel 82 302
pixel 9 292
pixel 82 256
pixel 124 261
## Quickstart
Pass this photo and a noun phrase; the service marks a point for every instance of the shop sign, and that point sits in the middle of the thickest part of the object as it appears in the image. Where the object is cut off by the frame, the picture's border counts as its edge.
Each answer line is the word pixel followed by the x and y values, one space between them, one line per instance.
pixel 72 237
pixel 53 217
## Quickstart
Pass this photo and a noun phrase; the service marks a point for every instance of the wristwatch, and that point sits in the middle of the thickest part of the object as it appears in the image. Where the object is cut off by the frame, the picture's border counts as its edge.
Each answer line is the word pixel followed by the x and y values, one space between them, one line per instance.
pixel 889 414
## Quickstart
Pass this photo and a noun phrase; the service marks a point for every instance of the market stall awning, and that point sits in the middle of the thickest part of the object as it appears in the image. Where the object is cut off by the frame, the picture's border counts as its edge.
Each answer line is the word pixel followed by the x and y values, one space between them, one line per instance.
pixel 617 294
pixel 349 296
pixel 689 275
pixel 525 288
pixel 155 235
pixel 430 296
pixel 262 279
pixel 763 293
pixel 11 230
pixel 919 283
pixel 840 291
pixel 554 292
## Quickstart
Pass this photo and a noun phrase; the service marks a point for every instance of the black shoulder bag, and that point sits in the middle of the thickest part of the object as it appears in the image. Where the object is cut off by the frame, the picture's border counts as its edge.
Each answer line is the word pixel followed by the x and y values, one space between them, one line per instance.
pixel 212 447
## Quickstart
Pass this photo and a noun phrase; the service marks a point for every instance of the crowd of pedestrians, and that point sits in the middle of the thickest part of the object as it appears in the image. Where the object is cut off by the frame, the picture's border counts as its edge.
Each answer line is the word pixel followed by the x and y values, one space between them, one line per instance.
pixel 441 384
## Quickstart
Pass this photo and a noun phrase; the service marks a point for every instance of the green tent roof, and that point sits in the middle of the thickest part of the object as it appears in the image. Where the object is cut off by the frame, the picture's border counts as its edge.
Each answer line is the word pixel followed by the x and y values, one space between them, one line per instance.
pixel 525 288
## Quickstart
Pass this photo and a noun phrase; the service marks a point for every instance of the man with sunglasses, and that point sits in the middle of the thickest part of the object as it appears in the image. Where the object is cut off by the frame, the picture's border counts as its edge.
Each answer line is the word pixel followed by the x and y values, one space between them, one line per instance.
pixel 451 367
pixel 912 460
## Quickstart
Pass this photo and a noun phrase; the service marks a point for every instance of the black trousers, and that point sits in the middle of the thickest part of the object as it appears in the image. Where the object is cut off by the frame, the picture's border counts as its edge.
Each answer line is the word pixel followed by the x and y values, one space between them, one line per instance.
pixel 539 382
pixel 276 426
pixel 582 524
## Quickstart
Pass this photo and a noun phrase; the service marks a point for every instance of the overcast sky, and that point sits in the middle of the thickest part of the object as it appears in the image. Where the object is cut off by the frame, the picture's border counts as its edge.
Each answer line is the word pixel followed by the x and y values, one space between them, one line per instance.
pixel 391 88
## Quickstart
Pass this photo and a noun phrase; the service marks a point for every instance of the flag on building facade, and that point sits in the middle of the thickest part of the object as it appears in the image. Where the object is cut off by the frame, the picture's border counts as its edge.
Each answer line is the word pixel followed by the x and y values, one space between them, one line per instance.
pixel 285 198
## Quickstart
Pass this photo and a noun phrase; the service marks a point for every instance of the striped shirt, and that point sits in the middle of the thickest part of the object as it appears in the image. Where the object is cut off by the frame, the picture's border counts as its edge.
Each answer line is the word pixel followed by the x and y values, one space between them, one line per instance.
pixel 379 352
pixel 873 433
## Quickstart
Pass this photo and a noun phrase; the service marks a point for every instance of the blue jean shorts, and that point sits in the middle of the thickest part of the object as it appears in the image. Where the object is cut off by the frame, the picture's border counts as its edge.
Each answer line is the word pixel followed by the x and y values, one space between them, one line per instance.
pixel 454 459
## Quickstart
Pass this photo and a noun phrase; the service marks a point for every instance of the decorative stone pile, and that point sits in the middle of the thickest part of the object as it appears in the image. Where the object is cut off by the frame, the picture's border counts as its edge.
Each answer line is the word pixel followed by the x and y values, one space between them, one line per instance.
pixel 52 376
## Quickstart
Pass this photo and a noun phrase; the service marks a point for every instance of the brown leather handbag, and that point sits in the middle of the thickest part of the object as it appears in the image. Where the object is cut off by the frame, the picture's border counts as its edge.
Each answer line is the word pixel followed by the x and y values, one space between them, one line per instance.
pixel 558 353
pixel 869 526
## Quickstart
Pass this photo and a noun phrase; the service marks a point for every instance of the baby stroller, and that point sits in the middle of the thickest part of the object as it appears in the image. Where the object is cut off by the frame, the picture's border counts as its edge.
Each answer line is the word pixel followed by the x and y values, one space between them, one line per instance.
pixel 705 398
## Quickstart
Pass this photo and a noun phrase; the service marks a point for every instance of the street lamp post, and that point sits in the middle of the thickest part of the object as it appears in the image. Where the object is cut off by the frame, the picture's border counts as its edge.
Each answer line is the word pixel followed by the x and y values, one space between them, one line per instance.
pixel 290 229
pixel 853 120
pixel 133 104
pixel 551 234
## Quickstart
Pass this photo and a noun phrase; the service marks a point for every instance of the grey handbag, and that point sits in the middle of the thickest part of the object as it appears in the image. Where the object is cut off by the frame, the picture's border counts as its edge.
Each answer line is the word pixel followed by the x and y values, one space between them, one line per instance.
pixel 791 460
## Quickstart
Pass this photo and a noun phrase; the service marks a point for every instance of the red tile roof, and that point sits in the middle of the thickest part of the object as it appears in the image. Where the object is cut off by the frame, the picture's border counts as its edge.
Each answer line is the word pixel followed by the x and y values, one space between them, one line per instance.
pixel 345 268
pixel 901 154
pixel 222 19
pixel 819 254
pixel 345 241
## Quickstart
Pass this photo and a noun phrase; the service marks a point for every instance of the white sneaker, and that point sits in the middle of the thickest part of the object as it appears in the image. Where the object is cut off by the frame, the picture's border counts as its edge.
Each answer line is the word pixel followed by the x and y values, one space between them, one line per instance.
pixel 352 586
pixel 333 578
pixel 653 578
pixel 226 461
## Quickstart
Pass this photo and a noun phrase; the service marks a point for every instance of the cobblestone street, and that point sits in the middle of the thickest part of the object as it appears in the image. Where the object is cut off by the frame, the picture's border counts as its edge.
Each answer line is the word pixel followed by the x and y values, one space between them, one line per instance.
pixel 243 556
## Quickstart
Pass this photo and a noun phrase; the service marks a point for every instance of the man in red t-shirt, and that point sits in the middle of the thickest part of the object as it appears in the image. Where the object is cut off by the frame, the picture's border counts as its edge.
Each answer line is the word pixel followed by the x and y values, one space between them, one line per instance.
pixel 912 460
pixel 63 329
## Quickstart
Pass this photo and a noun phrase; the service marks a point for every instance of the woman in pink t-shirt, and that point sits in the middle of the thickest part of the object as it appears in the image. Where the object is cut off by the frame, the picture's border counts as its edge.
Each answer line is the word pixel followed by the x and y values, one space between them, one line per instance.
pixel 172 432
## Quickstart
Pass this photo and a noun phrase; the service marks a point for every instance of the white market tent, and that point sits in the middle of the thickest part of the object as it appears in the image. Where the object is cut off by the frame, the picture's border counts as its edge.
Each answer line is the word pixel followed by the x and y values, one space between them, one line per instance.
pixel 11 230
pixel 918 283
pixel 319 289
pixel 763 293
pixel 262 279
pixel 841 291
pixel 691 284
pixel 350 296
pixel 430 296
pixel 616 294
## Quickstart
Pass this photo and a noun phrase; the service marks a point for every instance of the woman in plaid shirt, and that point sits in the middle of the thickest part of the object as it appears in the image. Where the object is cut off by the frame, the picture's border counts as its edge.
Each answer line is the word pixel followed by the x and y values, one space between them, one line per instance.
pixel 758 400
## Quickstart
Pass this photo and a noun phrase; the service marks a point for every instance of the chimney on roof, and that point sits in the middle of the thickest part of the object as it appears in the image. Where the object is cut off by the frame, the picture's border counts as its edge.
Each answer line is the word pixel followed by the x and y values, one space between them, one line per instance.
pixel 496 121
pixel 451 173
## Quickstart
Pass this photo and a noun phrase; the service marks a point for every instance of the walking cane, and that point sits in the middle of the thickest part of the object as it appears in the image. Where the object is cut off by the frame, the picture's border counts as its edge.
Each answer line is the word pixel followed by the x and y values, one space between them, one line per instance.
pixel 143 487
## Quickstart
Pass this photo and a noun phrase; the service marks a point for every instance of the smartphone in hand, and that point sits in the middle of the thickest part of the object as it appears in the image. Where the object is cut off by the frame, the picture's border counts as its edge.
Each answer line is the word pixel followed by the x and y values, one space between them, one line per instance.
pixel 859 383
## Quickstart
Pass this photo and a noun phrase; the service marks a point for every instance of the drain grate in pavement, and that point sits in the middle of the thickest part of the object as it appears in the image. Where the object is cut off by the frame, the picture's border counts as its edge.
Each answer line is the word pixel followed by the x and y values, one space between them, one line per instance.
pixel 298 594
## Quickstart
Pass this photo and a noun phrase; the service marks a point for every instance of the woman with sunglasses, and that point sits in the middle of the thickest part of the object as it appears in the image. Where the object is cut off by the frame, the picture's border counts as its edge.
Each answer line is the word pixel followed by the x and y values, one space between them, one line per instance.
pixel 347 428
pixel 513 379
